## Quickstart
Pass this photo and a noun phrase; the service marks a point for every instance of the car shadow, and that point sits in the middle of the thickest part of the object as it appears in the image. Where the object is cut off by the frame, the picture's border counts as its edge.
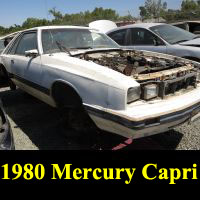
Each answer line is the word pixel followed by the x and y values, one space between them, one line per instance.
pixel 45 127
pixel 164 141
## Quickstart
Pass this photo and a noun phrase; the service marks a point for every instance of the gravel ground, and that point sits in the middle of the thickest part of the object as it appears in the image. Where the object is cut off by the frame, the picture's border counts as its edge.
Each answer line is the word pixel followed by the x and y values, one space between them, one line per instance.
pixel 37 126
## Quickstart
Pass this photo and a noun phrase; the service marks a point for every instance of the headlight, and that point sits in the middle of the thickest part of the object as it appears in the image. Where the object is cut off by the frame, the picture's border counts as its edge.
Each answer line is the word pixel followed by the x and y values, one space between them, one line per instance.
pixel 133 94
pixel 150 91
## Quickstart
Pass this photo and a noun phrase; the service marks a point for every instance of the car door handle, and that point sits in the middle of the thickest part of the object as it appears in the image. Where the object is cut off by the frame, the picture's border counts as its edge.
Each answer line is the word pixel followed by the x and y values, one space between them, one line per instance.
pixel 12 62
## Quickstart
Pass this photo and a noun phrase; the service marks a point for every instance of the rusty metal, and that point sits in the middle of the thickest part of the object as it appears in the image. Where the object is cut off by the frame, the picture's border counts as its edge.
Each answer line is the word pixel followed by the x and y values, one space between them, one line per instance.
pixel 166 74
pixel 175 73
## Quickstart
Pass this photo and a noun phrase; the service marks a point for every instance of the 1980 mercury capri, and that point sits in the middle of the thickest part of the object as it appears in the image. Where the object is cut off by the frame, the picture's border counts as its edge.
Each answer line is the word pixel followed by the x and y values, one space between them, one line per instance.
pixel 130 93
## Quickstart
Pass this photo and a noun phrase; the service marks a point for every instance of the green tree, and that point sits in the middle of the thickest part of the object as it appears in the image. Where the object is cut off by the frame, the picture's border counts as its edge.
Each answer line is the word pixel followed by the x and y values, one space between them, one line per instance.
pixel 83 18
pixel 143 13
pixel 153 9
pixel 34 22
pixel 189 5
pixel 57 14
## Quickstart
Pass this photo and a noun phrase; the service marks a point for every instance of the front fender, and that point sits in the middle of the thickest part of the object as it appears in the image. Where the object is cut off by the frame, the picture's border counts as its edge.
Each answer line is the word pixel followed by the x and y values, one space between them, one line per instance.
pixel 96 93
pixel 64 82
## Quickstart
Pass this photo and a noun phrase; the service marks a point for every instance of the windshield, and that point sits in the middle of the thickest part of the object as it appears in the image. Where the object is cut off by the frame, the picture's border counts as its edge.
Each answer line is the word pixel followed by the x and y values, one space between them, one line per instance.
pixel 172 34
pixel 56 40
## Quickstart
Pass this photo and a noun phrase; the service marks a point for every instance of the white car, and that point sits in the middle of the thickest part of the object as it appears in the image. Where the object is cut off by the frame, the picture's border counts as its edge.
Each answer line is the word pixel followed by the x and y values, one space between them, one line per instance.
pixel 126 92
pixel 157 37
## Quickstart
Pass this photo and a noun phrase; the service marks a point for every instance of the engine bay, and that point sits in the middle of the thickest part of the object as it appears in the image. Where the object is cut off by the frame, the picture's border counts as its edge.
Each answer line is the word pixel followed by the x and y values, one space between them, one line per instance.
pixel 169 75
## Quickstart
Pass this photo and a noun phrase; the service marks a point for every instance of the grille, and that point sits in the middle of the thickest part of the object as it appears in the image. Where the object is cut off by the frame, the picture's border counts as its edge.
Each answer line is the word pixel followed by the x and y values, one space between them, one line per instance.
pixel 172 86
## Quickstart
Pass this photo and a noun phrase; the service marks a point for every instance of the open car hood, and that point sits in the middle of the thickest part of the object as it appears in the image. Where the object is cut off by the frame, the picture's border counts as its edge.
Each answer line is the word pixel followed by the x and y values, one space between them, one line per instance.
pixel 103 25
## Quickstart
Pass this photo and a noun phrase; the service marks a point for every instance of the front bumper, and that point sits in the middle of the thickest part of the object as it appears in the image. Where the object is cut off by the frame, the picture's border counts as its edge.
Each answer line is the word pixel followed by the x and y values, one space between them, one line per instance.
pixel 145 119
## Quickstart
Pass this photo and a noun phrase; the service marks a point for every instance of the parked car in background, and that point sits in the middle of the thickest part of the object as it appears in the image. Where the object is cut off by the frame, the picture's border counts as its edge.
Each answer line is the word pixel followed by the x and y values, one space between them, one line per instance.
pixel 5 40
pixel 6 135
pixel 157 37
pixel 81 70
pixel 191 26
pixel 4 79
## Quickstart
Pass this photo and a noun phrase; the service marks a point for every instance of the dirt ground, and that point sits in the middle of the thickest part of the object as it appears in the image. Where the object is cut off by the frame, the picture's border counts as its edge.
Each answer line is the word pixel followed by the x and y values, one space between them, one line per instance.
pixel 37 126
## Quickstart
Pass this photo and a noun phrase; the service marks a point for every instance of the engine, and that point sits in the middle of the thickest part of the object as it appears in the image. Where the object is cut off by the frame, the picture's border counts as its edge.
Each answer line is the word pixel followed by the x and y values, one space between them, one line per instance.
pixel 161 74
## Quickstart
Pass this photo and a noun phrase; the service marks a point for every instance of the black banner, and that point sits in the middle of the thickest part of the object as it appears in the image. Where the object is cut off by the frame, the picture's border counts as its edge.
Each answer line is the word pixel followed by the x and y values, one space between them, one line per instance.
pixel 69 167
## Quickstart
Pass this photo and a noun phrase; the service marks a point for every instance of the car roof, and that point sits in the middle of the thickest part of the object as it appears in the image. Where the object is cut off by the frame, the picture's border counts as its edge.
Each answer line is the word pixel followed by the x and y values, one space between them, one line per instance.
pixel 139 25
pixel 182 22
pixel 60 27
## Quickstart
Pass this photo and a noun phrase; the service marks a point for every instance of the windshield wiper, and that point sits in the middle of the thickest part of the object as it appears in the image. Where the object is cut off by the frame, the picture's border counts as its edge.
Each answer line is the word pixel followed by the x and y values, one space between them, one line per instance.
pixel 63 48
pixel 82 47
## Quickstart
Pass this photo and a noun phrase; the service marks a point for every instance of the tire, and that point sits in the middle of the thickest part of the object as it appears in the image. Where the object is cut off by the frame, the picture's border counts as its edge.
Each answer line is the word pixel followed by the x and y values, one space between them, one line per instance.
pixel 12 85
pixel 71 108
pixel 8 81
pixel 78 120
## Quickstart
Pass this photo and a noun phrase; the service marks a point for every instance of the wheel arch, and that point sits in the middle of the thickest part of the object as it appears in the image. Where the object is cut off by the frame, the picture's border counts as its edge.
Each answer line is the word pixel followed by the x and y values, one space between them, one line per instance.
pixel 3 69
pixel 62 91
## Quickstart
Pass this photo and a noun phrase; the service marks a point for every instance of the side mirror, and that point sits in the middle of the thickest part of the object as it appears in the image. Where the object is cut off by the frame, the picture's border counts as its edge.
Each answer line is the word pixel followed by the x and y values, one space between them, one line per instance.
pixel 32 53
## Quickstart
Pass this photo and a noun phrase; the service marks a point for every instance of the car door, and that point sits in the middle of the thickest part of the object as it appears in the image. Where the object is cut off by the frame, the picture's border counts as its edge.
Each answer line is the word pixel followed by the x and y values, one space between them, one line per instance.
pixel 26 70
pixel 143 39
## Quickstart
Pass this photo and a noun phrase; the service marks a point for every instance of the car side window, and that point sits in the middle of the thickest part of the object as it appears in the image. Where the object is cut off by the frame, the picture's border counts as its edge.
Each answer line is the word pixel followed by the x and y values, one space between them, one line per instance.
pixel 143 37
pixel 27 42
pixel 119 36
pixel 13 47
pixel 183 26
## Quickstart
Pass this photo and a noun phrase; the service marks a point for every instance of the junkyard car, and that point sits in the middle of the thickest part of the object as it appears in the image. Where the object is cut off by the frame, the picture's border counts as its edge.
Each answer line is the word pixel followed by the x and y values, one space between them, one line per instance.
pixel 6 136
pixel 191 26
pixel 157 37
pixel 4 40
pixel 127 92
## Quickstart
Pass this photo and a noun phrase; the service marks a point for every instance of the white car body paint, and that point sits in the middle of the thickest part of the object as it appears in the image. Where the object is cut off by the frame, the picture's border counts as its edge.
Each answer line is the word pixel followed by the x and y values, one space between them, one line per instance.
pixel 102 90
pixel 87 77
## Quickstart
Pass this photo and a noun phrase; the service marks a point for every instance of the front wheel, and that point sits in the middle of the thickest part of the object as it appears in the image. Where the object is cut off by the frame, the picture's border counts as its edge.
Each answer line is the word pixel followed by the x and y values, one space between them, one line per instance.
pixel 12 85
pixel 78 119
